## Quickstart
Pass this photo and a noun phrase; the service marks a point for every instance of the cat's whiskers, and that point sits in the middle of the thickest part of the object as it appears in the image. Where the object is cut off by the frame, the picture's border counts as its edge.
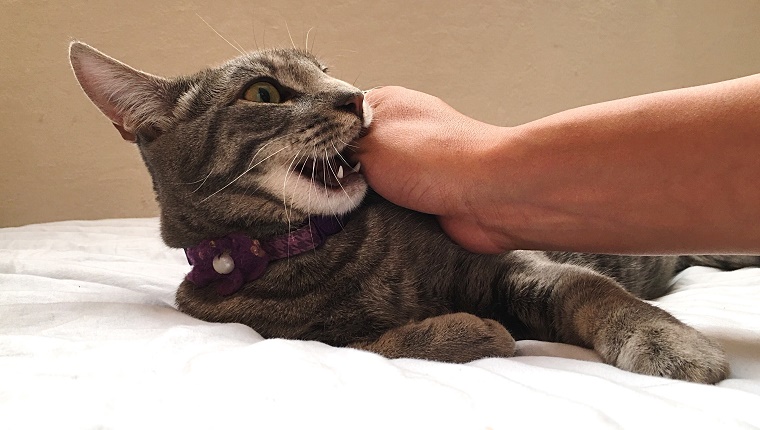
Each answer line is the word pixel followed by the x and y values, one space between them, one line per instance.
pixel 341 187
pixel 307 39
pixel 242 174
pixel 290 35
pixel 253 159
pixel 242 52
pixel 253 30
pixel 324 181
pixel 345 145
pixel 337 218
pixel 239 45
pixel 194 182
pixel 312 183
pixel 288 172
pixel 302 159
pixel 264 146
pixel 335 174
pixel 308 194
pixel 204 181
pixel 327 192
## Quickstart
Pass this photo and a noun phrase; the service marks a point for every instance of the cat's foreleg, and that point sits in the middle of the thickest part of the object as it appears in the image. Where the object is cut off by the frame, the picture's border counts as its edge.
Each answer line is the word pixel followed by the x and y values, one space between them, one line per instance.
pixel 571 304
pixel 456 338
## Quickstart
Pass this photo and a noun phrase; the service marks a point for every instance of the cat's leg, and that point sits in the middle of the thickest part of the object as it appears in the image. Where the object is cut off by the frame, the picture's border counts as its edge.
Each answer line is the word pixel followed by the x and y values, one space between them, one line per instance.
pixel 575 305
pixel 456 338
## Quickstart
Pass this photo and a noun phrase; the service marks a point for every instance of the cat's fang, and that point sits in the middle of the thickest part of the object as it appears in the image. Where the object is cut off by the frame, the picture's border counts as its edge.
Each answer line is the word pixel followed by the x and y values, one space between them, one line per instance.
pixel 340 172
pixel 357 167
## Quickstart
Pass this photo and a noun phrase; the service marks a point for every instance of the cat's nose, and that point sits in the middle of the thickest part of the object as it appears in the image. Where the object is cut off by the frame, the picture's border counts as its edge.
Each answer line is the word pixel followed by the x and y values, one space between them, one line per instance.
pixel 352 103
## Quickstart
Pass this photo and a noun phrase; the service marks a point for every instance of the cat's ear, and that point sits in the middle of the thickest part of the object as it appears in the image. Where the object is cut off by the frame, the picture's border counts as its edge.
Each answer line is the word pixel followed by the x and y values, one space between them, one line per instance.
pixel 136 102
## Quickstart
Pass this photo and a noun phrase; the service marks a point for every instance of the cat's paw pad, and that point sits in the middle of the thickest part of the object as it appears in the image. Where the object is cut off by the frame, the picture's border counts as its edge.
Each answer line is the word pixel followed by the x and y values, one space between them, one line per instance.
pixel 673 350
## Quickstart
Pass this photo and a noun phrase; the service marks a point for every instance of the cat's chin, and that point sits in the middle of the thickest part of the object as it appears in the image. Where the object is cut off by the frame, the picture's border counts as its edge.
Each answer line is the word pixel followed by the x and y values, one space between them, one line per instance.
pixel 315 197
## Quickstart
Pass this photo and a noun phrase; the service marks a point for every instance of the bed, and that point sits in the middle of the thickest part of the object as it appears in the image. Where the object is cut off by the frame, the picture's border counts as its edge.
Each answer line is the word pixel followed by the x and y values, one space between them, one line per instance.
pixel 90 338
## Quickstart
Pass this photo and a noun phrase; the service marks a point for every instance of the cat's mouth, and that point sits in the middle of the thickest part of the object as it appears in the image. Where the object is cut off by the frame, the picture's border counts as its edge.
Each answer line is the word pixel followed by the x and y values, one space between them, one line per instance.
pixel 333 172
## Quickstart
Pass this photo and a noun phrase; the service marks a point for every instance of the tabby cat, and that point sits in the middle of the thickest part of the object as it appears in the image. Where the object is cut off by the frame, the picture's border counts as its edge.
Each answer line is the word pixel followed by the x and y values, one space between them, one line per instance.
pixel 247 162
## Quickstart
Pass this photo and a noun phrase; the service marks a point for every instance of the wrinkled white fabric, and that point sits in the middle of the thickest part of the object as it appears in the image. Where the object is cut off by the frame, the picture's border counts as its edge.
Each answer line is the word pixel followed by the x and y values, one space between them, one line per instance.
pixel 89 338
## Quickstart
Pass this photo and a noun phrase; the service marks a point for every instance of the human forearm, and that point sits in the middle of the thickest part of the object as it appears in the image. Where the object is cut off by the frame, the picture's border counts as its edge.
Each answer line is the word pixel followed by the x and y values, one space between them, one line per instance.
pixel 666 172
pixel 662 173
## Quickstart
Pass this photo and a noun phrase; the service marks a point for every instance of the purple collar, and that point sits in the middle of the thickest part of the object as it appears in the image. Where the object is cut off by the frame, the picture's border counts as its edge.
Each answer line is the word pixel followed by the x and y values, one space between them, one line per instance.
pixel 236 258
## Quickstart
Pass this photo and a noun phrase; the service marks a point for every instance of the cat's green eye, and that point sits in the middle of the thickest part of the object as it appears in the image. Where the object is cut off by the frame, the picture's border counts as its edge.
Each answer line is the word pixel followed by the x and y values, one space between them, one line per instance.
pixel 262 92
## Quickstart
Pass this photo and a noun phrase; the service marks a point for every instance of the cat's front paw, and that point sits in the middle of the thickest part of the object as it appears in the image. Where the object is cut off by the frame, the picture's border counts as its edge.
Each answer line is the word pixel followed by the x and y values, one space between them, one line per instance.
pixel 456 338
pixel 673 350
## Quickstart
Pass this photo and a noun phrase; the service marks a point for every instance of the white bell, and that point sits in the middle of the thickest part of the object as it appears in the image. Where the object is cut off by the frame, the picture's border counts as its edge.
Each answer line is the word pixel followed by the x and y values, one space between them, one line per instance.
pixel 223 264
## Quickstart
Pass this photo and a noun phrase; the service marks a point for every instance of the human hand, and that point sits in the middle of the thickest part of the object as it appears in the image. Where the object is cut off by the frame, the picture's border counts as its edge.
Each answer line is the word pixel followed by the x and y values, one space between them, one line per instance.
pixel 422 154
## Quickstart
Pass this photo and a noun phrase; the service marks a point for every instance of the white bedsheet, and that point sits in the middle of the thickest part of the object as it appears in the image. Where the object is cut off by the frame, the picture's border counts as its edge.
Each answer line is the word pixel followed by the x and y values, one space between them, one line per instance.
pixel 89 338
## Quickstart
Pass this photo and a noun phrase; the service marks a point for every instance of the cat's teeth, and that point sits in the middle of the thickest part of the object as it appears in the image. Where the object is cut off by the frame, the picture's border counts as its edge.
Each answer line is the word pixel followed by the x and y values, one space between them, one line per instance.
pixel 357 167
pixel 340 172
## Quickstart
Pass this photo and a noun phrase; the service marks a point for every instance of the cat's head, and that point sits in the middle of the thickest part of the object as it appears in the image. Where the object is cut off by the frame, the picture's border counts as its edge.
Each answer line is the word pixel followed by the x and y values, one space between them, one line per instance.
pixel 256 144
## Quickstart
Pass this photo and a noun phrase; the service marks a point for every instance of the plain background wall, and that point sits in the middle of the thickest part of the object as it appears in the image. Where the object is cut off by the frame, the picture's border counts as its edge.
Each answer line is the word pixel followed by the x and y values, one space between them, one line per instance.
pixel 503 62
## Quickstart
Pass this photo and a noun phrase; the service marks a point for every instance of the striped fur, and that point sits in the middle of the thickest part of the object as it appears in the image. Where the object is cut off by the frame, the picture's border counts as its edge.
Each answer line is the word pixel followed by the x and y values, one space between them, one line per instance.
pixel 391 282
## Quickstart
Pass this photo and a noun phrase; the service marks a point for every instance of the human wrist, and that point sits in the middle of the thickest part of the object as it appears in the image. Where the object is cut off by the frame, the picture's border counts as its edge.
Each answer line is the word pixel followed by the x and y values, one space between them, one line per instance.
pixel 494 162
pixel 509 201
pixel 490 171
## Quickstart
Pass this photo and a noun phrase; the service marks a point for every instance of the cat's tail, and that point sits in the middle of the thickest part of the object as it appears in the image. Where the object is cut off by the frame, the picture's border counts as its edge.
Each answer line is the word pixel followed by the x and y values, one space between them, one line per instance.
pixel 723 262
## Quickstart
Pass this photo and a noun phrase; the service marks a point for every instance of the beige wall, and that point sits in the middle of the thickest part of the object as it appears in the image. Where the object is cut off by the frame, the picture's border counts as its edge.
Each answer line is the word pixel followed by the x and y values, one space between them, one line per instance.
pixel 503 62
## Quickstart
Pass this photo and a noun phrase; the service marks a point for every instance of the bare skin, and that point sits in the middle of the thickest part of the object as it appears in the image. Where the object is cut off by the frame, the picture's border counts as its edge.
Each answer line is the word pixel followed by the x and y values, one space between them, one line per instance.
pixel 669 172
